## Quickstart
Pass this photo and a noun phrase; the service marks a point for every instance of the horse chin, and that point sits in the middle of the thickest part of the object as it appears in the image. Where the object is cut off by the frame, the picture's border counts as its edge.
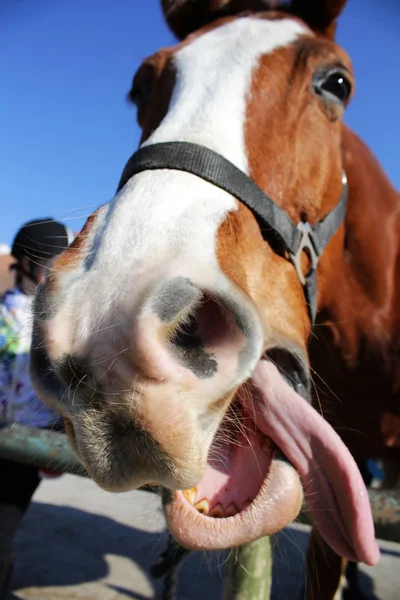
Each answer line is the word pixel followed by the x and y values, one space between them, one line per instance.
pixel 249 489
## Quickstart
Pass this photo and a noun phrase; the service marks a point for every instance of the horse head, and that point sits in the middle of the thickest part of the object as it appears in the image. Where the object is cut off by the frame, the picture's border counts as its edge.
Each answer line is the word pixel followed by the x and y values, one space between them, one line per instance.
pixel 173 334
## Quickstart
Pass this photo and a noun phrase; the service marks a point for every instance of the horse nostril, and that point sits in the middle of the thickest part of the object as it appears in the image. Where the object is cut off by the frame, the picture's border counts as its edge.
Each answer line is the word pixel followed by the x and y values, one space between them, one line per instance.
pixel 206 331
pixel 207 335
pixel 187 335
pixel 187 344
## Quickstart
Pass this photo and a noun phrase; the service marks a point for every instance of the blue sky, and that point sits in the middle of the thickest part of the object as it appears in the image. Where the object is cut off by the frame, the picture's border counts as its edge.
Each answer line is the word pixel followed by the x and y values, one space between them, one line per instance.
pixel 66 129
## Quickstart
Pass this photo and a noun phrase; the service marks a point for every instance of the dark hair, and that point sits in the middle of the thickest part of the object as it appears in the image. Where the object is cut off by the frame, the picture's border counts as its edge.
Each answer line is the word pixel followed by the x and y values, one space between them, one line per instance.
pixel 37 240
pixel 41 239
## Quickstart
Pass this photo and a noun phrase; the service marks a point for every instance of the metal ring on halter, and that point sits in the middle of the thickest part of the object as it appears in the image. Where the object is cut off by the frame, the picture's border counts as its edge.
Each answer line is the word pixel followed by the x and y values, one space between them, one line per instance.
pixel 307 243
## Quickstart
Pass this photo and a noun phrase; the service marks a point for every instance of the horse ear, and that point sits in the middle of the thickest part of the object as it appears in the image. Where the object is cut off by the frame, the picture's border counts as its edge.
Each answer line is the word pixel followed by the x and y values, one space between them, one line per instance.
pixel 186 16
pixel 320 15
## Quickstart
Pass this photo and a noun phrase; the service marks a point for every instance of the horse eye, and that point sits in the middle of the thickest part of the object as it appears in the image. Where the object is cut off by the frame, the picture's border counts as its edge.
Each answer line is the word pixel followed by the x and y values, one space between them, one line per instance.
pixel 334 85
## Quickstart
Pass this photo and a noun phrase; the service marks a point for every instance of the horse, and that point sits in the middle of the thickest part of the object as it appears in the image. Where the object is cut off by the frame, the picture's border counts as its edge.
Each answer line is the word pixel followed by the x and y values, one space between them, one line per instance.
pixel 241 282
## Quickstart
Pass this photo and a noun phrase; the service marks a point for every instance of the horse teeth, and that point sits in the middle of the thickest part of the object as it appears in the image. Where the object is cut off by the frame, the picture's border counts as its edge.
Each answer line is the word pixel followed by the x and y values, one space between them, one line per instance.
pixel 232 510
pixel 190 495
pixel 203 506
pixel 217 512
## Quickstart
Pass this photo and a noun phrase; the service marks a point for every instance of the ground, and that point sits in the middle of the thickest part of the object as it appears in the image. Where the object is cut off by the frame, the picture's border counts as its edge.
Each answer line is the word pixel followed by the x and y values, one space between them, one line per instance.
pixel 78 542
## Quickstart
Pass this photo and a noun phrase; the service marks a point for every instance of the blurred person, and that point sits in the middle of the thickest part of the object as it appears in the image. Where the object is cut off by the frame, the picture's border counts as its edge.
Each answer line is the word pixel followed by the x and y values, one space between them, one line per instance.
pixel 34 247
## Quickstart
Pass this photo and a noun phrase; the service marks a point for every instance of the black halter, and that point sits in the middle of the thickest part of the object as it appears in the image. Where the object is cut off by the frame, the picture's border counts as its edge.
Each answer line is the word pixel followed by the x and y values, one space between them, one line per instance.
pixel 286 238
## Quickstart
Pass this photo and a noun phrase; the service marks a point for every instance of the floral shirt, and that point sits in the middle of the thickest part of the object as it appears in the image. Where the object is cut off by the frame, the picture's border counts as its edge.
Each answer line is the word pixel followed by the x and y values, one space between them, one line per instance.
pixel 18 401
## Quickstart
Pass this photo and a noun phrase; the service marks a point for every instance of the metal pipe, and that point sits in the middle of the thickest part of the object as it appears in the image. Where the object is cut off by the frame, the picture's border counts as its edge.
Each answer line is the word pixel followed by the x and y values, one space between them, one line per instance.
pixel 248 575
pixel 39 448
pixel 385 505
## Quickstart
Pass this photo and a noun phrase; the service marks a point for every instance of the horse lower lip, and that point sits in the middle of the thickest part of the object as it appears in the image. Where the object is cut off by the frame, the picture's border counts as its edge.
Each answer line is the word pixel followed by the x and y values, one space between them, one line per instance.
pixel 277 504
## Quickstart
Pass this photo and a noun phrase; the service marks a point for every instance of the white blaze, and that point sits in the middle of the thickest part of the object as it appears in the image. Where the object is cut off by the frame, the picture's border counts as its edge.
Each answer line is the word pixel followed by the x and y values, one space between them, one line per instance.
pixel 160 215
pixel 213 80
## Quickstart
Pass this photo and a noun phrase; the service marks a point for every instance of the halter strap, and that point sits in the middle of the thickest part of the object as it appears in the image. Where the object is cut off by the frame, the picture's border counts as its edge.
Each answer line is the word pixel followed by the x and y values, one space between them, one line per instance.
pixel 285 237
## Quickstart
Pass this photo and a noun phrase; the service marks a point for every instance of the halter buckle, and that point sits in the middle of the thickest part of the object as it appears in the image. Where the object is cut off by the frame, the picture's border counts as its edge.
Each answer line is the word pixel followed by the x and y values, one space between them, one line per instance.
pixel 307 244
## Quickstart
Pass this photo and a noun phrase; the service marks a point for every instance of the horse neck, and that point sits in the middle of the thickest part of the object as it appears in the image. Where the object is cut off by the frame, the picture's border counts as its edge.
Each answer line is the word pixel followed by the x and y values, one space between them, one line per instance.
pixel 362 307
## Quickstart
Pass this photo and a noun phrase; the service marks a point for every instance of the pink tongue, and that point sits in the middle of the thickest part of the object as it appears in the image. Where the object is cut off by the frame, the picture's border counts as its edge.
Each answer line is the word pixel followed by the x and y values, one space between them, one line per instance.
pixel 335 492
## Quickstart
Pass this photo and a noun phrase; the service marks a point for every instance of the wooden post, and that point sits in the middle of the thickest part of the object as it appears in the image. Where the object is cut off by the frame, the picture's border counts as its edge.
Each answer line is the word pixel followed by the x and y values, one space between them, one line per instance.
pixel 248 574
